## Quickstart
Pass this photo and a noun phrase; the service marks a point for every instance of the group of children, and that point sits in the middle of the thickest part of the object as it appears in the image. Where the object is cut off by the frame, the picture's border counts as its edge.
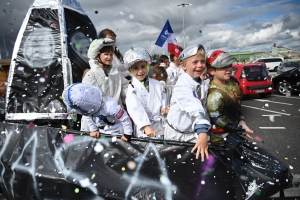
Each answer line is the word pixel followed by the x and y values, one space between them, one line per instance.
pixel 105 97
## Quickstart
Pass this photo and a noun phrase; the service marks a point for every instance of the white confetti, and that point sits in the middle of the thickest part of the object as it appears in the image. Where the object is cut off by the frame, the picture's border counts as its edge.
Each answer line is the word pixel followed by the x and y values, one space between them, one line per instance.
pixel 271 117
pixel 85 182
pixel 165 180
pixel 121 13
pixel 113 139
pixel 202 182
pixel 291 167
pixel 267 105
pixel 42 80
pixel 178 156
pixel 98 147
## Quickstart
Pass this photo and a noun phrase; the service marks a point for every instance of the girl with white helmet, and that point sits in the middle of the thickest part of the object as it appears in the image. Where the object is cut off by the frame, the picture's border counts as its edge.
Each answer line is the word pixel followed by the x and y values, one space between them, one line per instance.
pixel 104 75
pixel 145 96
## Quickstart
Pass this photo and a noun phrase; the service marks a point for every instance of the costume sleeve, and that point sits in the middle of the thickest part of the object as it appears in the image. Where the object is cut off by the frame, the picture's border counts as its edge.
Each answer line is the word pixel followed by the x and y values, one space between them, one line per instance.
pixel 90 122
pixel 215 108
pixel 114 109
pixel 136 109
pixel 124 83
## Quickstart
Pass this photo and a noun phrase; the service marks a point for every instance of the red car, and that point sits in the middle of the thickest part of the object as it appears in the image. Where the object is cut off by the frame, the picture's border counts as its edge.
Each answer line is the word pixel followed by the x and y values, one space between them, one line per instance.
pixel 253 79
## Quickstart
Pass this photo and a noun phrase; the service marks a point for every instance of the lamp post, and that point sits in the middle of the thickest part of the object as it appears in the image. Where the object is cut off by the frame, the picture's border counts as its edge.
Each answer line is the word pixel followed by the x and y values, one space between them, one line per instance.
pixel 209 44
pixel 183 5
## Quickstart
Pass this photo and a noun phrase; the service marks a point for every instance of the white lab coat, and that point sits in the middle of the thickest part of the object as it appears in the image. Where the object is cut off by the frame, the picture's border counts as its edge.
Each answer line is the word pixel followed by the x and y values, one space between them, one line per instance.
pixel 174 71
pixel 145 107
pixel 186 109
pixel 115 85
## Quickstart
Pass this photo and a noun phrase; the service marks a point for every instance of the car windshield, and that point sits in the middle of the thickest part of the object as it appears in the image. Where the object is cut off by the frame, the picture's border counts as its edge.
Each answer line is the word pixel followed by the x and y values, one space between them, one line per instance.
pixel 291 64
pixel 255 73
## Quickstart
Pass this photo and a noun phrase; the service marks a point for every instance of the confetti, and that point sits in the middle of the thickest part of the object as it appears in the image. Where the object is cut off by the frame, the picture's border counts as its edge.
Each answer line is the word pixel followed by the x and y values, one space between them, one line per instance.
pixel 267 105
pixel 96 12
pixel 131 165
pixel 178 156
pixel 98 148
pixel 121 13
pixel 113 139
pixel 202 182
pixel 31 125
pixel 123 169
pixel 68 138
pixel 291 167
pixel 93 176
pixel 63 127
pixel 76 190
pixel 271 117
pixel 85 182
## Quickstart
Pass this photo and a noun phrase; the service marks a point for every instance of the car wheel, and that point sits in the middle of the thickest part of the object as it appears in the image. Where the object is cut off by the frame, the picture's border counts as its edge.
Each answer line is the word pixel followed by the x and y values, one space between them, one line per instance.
pixel 284 87
pixel 265 95
pixel 275 69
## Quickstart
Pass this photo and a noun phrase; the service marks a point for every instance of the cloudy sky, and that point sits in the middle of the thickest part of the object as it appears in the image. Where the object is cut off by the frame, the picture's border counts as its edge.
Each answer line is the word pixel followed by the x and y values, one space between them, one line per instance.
pixel 232 25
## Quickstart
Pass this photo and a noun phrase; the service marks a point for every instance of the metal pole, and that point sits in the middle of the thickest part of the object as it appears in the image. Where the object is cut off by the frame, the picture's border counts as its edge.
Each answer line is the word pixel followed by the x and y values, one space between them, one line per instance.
pixel 183 27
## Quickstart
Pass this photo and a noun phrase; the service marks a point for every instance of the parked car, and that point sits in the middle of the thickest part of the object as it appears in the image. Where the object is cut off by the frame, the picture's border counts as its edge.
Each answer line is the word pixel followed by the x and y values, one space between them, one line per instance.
pixel 271 63
pixel 288 65
pixel 253 78
pixel 287 82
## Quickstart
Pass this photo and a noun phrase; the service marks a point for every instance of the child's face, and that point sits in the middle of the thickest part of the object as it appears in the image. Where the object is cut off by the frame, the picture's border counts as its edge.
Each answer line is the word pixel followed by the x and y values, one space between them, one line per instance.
pixel 222 74
pixel 139 70
pixel 195 66
pixel 106 57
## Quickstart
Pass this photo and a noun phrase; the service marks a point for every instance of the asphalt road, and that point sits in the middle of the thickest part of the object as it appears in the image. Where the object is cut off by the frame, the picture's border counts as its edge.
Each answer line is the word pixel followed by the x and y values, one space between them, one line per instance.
pixel 276 124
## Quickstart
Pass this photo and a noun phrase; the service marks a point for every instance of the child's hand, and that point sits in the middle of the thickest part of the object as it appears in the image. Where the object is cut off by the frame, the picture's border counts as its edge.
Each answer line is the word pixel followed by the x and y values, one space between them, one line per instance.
pixel 201 146
pixel 94 134
pixel 165 111
pixel 126 138
pixel 249 132
pixel 149 131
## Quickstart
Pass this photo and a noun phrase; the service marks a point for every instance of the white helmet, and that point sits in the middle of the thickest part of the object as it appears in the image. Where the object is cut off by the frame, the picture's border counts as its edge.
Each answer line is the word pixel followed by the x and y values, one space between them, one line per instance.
pixel 84 98
pixel 97 45
pixel 135 55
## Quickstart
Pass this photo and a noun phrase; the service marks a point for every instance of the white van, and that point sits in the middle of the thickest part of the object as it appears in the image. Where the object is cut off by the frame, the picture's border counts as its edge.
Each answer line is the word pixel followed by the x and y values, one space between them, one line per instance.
pixel 271 63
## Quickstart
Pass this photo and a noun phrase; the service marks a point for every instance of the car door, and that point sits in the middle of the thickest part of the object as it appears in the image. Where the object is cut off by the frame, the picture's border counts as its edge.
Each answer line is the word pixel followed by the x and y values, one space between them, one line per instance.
pixel 295 79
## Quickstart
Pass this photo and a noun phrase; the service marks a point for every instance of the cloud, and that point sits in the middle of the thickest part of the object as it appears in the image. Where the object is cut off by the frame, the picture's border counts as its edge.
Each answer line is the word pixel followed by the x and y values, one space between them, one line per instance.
pixel 234 25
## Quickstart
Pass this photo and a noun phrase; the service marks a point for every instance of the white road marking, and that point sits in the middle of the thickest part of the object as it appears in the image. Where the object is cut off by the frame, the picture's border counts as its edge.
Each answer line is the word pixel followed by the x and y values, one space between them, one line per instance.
pixel 284 96
pixel 272 127
pixel 266 110
pixel 271 115
pixel 273 102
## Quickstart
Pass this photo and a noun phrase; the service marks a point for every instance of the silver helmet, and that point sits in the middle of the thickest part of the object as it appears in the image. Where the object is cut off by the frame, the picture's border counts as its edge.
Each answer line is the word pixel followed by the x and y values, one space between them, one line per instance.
pixel 190 51
pixel 135 55
pixel 97 45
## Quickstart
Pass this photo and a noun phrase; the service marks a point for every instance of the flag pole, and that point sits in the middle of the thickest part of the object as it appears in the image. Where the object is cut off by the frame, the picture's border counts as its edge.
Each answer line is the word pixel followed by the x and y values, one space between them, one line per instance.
pixel 151 48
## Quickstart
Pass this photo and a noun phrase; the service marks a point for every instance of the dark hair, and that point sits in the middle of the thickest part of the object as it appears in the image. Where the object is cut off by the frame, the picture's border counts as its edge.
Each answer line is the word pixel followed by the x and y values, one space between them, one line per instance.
pixel 161 73
pixel 105 32
pixel 172 55
pixel 106 49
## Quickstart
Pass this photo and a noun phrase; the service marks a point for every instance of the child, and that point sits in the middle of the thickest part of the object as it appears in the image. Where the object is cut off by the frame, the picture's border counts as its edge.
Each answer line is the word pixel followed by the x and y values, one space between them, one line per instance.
pixel 160 74
pixel 103 114
pixel 145 96
pixel 103 74
pixel 223 102
pixel 187 119
pixel 175 68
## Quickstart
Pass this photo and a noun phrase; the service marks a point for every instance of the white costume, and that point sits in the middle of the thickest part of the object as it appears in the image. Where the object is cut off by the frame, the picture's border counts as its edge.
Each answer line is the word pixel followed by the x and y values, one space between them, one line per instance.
pixel 174 71
pixel 186 109
pixel 102 113
pixel 145 107
pixel 114 85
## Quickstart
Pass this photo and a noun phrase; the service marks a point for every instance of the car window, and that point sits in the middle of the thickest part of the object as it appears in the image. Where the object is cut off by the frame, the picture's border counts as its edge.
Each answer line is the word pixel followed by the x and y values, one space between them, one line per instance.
pixel 234 70
pixel 254 73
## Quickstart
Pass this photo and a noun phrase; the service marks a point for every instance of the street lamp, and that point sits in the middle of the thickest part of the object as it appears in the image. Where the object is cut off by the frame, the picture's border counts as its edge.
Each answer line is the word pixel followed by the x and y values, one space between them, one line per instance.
pixel 208 44
pixel 183 5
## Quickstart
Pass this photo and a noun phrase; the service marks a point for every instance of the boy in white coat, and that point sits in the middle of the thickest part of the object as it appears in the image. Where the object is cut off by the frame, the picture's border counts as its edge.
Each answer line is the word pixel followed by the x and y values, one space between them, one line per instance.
pixel 187 120
pixel 145 96
pixel 103 74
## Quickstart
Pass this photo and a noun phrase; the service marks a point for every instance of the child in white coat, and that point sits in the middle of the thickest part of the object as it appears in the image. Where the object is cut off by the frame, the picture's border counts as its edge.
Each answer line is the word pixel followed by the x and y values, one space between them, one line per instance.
pixel 103 74
pixel 145 96
pixel 187 120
